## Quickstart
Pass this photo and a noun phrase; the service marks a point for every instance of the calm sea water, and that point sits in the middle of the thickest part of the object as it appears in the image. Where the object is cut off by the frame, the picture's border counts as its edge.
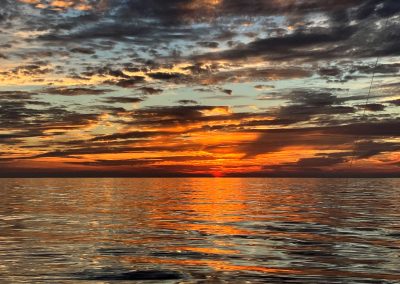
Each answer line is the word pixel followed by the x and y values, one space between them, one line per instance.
pixel 200 230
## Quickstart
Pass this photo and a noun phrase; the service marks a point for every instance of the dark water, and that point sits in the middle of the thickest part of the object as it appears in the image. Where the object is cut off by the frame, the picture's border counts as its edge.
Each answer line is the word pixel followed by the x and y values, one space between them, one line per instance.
pixel 200 230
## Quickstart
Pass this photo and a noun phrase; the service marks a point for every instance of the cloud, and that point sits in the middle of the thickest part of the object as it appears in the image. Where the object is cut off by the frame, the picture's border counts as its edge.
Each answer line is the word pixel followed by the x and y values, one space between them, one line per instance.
pixel 330 72
pixel 16 95
pixel 264 87
pixel 319 162
pixel 369 148
pixel 165 76
pixel 122 100
pixel 251 75
pixel 304 105
pixel 150 90
pixel 395 102
pixel 39 68
pixel 273 140
pixel 283 78
pixel 128 162
pixel 76 91
pixel 104 71
pixel 381 68
pixel 131 135
pixel 22 121
pixel 208 44
pixel 84 151
pixel 187 102
pixel 132 82
pixel 166 116
pixel 373 107
pixel 311 97
pixel 82 50
pixel 294 44
pixel 227 91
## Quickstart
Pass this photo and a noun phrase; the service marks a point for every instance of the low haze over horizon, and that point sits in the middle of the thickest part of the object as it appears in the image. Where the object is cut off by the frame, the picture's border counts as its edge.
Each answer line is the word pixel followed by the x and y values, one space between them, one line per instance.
pixel 199 88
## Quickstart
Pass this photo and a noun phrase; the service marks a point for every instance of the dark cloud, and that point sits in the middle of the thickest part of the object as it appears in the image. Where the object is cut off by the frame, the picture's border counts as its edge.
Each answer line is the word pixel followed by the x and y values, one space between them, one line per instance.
pixel 112 163
pixel 227 91
pixel 168 116
pixel 199 68
pixel 224 97
pixel 83 50
pixel 314 44
pixel 104 71
pixel 187 102
pixel 131 135
pixel 319 162
pixel 253 74
pixel 309 165
pixel 313 98
pixel 76 91
pixel 304 105
pixel 330 72
pixel 323 137
pixel 165 76
pixel 132 82
pixel 264 87
pixel 133 29
pixel 8 11
pixel 22 121
pixel 29 70
pixel 381 68
pixel 84 151
pixel 122 100
pixel 104 149
pixel 395 102
pixel 373 107
pixel 16 95
pixel 143 162
pixel 184 112
pixel 383 8
pixel 367 149
pixel 272 47
pixel 150 90
pixel 208 44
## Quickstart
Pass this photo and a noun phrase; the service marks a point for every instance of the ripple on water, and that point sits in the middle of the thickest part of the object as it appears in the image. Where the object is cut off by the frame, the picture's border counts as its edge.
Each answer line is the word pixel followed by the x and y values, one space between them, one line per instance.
pixel 200 230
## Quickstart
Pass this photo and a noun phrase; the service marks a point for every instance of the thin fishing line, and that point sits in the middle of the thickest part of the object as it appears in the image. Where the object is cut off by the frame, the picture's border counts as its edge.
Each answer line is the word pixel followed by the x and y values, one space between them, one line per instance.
pixel 364 114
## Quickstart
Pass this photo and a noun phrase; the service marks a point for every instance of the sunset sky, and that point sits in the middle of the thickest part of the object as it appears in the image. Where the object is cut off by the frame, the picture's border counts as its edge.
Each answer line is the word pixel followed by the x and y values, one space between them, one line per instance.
pixel 199 88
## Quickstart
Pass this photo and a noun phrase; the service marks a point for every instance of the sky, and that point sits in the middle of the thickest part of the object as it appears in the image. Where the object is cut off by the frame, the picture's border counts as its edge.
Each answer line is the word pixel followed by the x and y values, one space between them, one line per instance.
pixel 199 88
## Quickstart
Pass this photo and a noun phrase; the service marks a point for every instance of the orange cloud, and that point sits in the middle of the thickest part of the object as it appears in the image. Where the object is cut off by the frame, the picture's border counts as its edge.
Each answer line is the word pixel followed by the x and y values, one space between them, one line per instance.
pixel 61 5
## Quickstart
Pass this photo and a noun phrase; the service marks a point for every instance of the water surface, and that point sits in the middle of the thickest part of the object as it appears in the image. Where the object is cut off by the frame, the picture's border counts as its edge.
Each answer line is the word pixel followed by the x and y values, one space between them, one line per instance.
pixel 200 230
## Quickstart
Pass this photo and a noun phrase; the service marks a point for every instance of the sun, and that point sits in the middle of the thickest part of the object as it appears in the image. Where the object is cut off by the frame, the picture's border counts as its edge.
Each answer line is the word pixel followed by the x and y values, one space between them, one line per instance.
pixel 217 173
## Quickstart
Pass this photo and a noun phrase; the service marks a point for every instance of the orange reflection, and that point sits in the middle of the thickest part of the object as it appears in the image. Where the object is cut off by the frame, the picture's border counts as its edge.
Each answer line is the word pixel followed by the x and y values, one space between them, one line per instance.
pixel 219 203
pixel 215 264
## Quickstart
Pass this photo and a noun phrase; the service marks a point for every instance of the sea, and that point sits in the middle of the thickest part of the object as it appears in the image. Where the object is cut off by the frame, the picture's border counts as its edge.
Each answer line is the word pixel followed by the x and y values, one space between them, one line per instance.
pixel 199 230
